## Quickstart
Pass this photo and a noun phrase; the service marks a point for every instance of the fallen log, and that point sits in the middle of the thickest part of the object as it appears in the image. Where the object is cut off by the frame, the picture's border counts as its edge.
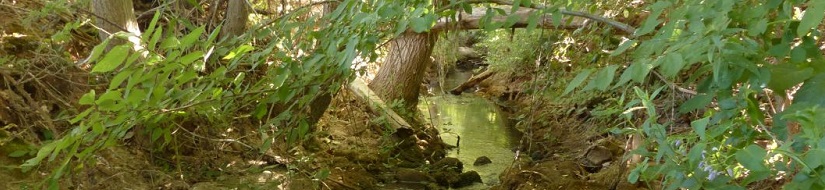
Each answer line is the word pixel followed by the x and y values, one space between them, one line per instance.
pixel 473 81
pixel 362 91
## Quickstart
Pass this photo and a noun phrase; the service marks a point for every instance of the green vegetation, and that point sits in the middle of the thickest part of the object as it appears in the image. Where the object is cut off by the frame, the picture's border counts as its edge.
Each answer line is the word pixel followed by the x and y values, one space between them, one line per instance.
pixel 725 94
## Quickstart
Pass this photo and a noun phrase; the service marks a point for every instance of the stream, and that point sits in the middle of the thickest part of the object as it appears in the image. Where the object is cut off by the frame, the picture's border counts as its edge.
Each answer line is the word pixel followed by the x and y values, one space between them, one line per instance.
pixel 479 124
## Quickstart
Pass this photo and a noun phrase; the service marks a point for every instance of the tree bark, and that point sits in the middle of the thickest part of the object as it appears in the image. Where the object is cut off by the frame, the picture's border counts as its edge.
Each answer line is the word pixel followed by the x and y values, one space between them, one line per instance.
pixel 237 14
pixel 116 16
pixel 403 69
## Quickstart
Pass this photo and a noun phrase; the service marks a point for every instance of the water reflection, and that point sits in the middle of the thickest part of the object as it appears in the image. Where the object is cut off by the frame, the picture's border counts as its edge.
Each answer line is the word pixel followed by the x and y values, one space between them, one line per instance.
pixel 482 131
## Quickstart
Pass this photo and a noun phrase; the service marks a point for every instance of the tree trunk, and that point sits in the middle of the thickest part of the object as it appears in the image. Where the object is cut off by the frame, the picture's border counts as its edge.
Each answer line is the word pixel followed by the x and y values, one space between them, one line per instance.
pixel 403 70
pixel 116 16
pixel 237 14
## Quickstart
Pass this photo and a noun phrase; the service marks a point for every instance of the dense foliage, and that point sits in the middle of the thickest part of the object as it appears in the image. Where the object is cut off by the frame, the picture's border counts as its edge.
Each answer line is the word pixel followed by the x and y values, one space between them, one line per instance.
pixel 738 56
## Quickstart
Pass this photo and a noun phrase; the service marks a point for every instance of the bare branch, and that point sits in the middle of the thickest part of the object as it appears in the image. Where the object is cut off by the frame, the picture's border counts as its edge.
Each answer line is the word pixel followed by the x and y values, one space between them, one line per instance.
pixel 616 24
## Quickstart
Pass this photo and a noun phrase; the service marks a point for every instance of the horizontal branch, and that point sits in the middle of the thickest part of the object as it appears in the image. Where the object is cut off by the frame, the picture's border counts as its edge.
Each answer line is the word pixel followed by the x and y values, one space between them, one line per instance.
pixel 472 21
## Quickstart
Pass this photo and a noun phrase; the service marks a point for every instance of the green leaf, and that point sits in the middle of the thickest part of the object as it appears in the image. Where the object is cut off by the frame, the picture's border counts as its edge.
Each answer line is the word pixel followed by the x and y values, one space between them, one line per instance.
pixel 813 16
pixel 186 76
pixel 699 127
pixel 191 57
pixel 18 153
pixel 212 37
pixel 155 39
pixel 532 21
pixel 814 159
pixel 798 55
pixel 511 20
pixel 653 19
pixel 603 79
pixel 673 63
pixel 279 80
pixel 243 49
pixel 697 102
pixel 401 27
pixel 98 50
pixel 812 91
pixel 623 47
pixel 80 116
pixel 577 81
pixel 119 78
pixel 152 25
pixel 758 28
pixel 756 176
pixel 108 101
pixel 419 24
pixel 112 60
pixel 190 39
pixel 136 96
pixel 156 134
pixel 322 174
pixel 752 157
pixel 169 42
pixel 88 98
pixel 785 76
pixel 467 8
pixel 557 17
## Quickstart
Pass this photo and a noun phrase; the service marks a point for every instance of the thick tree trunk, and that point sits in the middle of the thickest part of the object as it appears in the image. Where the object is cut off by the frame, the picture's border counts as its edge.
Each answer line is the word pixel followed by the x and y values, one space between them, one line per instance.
pixel 403 70
pixel 237 14
pixel 116 16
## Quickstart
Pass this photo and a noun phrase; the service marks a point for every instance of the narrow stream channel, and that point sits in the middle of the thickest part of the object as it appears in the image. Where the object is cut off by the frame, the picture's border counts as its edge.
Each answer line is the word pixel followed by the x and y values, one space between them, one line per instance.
pixel 479 124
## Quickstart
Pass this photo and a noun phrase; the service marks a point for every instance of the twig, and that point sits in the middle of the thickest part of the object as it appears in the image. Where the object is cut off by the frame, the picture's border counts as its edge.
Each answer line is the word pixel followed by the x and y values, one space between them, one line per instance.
pixel 49 92
pixel 101 18
pixel 151 12
pixel 673 85
pixel 211 139
pixel 284 15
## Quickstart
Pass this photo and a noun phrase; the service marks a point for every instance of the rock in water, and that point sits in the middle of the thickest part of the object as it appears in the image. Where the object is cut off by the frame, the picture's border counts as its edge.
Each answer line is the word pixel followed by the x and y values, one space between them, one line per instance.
pixel 449 163
pixel 466 179
pixel 407 175
pixel 483 160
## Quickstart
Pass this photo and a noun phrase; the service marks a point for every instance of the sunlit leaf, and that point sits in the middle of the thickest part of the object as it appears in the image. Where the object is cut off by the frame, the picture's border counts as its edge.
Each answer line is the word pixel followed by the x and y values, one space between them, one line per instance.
pixel 170 42
pixel 97 51
pixel 190 39
pixel 623 47
pixel 812 17
pixel 112 60
pixel 119 78
pixel 752 157
pixel 88 98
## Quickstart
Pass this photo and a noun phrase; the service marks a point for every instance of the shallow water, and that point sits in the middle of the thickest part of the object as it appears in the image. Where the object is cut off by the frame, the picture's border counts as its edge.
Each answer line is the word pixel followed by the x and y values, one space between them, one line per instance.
pixel 480 126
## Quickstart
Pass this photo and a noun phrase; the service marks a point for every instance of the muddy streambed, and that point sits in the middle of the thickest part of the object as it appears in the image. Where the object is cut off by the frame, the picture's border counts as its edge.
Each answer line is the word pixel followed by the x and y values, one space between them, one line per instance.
pixel 476 127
